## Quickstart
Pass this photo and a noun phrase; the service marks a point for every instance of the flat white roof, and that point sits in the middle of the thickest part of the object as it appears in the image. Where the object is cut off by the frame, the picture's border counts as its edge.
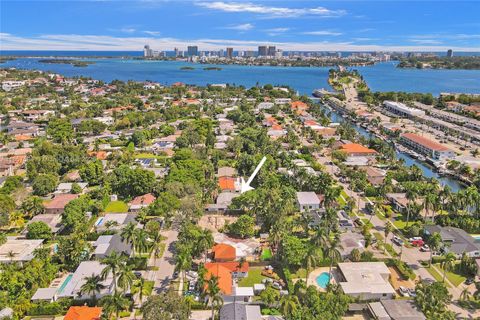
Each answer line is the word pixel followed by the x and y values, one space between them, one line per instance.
pixel 22 249
pixel 365 277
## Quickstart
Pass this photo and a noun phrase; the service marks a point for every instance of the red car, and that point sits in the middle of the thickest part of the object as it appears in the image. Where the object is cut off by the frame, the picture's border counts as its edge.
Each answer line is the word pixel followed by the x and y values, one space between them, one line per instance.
pixel 417 243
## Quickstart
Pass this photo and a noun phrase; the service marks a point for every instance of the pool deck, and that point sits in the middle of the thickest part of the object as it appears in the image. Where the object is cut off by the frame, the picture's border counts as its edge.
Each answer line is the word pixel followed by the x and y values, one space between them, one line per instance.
pixel 312 277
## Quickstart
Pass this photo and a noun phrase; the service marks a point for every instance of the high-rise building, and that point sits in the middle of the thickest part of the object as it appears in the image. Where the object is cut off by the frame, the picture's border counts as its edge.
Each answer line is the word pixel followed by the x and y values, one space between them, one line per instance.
pixel 221 53
pixel 450 53
pixel 271 51
pixel 192 51
pixel 229 53
pixel 147 52
pixel 262 51
pixel 279 53
pixel 176 52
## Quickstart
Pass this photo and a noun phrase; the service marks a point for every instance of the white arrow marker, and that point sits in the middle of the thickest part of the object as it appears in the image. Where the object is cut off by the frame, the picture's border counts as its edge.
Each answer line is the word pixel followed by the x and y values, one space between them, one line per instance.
pixel 246 185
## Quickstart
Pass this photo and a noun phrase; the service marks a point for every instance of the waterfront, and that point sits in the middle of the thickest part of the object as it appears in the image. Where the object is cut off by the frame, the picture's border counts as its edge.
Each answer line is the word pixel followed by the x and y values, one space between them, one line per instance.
pixel 380 77
pixel 428 171
pixel 302 79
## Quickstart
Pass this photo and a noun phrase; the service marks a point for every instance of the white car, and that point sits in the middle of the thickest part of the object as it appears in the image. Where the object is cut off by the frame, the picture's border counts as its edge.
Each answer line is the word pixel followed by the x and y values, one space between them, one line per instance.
pixel 425 248
pixel 404 291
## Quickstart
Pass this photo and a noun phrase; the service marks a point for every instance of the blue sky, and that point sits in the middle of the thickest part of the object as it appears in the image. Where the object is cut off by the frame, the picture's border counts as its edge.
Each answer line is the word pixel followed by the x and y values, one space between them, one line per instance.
pixel 291 25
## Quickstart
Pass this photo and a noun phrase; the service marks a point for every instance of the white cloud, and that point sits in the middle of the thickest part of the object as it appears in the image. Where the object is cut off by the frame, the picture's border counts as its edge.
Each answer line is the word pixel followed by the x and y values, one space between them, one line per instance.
pixel 241 27
pixel 128 30
pixel 152 33
pixel 283 12
pixel 276 31
pixel 323 33
pixel 426 41
pixel 111 43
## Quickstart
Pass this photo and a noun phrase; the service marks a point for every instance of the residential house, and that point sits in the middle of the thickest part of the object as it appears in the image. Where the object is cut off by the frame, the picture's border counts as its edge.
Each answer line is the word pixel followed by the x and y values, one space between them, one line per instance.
pixel 106 244
pixel 226 172
pixel 52 220
pixel 229 184
pixel 365 280
pixel 114 221
pixel 83 313
pixel 307 201
pixel 66 187
pixel 141 202
pixel 374 176
pixel 357 150
pixel 456 240
pixel 222 203
pixel 397 309
pixel 18 250
pixel 224 252
pixel 84 270
pixel 58 203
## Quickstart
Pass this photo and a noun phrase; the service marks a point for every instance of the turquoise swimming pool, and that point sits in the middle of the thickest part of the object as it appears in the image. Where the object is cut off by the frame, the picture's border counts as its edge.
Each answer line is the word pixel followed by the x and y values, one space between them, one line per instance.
pixel 64 284
pixel 323 279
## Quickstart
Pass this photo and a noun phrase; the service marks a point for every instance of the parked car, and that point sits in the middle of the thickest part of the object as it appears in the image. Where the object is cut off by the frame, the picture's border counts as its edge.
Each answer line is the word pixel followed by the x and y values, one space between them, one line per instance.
pixel 397 240
pixel 404 291
pixel 425 248
pixel 417 243
pixel 469 281
pixel 412 292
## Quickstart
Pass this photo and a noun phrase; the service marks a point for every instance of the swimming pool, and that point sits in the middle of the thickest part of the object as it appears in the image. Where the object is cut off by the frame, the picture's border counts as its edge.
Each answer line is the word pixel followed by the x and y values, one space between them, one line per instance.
pixel 99 222
pixel 323 279
pixel 64 284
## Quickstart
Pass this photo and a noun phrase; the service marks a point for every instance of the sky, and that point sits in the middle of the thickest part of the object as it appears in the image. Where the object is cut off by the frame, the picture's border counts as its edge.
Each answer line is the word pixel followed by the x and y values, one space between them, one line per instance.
pixel 334 25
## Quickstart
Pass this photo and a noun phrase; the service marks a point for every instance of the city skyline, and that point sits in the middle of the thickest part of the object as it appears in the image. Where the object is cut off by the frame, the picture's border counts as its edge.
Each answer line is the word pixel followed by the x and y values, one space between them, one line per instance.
pixel 214 25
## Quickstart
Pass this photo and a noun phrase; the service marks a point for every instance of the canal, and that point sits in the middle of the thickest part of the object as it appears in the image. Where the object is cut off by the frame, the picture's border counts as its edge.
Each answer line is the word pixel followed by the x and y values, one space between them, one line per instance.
pixel 428 171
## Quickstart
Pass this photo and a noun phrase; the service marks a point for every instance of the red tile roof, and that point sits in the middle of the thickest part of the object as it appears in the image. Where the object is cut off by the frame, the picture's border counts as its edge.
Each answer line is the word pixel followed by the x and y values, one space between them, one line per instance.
pixel 355 148
pixel 224 252
pixel 233 266
pixel 145 199
pixel 83 313
pixel 224 277
pixel 227 183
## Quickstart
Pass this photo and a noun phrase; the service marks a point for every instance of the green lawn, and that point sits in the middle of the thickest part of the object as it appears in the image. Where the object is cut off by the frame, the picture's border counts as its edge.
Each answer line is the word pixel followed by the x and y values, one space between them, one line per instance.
pixel 400 222
pixel 254 276
pixel 149 287
pixel 378 236
pixel 437 276
pixel 455 278
pixel 116 206
pixel 266 254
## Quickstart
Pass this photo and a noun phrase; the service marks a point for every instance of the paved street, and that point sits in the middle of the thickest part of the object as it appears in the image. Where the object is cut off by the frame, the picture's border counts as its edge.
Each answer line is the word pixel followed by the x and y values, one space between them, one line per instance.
pixel 165 264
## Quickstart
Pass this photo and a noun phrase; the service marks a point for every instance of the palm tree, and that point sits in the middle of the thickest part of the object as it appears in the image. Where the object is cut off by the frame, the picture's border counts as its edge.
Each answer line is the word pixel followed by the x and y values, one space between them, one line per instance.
pixel 465 295
pixel 113 304
pixel 434 242
pixel 310 262
pixel 386 231
pixel 156 246
pixel 411 196
pixel 214 294
pixel 11 255
pixel 142 242
pixel 128 234
pixel 183 262
pixel 140 288
pixel 93 285
pixel 448 263
pixel 142 217
pixel 16 219
pixel 205 242
pixel 333 253
pixel 125 277
pixel 113 262
pixel 289 304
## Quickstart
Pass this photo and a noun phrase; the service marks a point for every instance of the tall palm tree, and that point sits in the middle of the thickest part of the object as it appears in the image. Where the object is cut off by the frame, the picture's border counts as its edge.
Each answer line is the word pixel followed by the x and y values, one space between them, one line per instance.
pixel 142 217
pixel 310 262
pixel 205 242
pixel 156 246
pixel 183 262
pixel 434 242
pixel 214 294
pixel 386 231
pixel 141 241
pixel 125 277
pixel 128 234
pixel 113 304
pixel 289 304
pixel 113 262
pixel 411 196
pixel 11 255
pixel 465 294
pixel 16 219
pixel 92 286
pixel 333 253
pixel 448 263
pixel 140 288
